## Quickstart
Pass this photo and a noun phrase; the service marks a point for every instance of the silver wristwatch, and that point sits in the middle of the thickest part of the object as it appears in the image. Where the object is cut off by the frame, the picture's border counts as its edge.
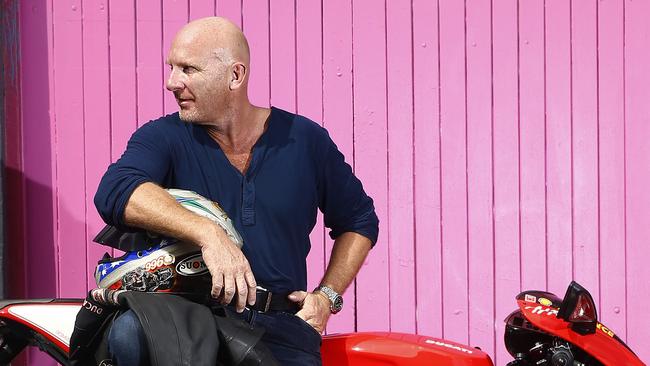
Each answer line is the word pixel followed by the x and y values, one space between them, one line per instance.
pixel 336 300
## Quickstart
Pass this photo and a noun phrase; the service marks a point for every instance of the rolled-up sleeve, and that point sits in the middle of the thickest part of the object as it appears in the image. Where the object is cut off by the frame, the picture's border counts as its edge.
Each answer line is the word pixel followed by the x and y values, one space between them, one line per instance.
pixel 345 205
pixel 146 159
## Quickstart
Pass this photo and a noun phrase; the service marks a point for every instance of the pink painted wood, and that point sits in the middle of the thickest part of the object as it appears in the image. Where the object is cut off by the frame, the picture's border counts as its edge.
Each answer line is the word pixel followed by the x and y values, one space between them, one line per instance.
pixel 255 24
pixel 150 68
pixel 370 160
pixel 584 98
pixel 611 123
pixel 97 120
pixel 426 130
pixel 559 203
pixel 637 173
pixel 69 129
pixel 282 20
pixel 453 166
pixel 507 265
pixel 532 140
pixel 479 176
pixel 174 15
pixel 338 116
pixel 504 143
pixel 401 258
pixel 231 9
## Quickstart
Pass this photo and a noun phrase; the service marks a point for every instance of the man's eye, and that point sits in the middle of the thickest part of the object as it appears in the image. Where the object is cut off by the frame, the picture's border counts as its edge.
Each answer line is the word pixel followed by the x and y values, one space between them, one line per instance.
pixel 188 69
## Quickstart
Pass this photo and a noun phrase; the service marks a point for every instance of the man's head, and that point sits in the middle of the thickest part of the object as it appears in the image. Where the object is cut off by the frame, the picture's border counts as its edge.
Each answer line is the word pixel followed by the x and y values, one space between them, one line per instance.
pixel 209 63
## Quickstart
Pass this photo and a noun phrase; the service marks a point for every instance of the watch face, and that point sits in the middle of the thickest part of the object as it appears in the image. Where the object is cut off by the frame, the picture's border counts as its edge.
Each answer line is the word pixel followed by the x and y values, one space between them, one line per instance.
pixel 338 304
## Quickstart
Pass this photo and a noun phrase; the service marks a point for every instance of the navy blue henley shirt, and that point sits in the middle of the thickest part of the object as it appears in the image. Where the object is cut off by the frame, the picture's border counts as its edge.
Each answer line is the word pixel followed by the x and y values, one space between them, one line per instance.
pixel 295 169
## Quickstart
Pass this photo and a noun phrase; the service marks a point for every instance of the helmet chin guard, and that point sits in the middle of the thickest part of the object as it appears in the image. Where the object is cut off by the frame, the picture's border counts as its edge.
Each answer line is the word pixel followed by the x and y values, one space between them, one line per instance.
pixel 168 265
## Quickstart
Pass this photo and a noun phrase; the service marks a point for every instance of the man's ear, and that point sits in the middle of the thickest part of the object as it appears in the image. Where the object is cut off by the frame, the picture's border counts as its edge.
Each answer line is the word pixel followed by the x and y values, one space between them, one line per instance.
pixel 237 75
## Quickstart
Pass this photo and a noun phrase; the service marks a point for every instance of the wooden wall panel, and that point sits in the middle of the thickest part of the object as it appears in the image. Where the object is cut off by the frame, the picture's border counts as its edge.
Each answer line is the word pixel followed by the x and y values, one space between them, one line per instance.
pixel 611 153
pixel 504 143
pixel 338 112
pixel 480 217
pixel 559 202
pixel 399 79
pixel 282 20
pixel 370 158
pixel 69 130
pixel 255 24
pixel 151 70
pixel 507 273
pixel 532 175
pixel 584 98
pixel 453 166
pixel 426 130
pixel 637 173
pixel 97 120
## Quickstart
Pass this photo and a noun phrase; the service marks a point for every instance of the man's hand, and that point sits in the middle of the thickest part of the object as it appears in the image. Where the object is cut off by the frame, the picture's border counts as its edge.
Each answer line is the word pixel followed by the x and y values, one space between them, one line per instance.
pixel 314 308
pixel 230 271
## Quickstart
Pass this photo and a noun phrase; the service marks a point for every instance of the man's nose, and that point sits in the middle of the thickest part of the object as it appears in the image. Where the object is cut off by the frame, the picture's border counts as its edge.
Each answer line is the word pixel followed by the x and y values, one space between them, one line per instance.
pixel 174 81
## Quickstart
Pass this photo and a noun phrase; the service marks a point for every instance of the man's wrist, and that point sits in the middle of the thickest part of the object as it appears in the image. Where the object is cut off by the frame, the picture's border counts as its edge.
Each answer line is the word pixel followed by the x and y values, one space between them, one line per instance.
pixel 334 298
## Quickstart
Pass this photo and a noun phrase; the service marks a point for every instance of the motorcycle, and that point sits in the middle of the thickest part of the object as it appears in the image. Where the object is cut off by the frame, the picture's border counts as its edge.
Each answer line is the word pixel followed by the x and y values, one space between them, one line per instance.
pixel 544 330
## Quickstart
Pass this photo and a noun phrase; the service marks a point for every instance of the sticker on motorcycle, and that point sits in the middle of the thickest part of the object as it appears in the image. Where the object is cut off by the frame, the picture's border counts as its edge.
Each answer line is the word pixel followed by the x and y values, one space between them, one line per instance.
pixel 539 310
pixel 192 266
pixel 544 301
pixel 447 345
pixel 530 298
pixel 605 330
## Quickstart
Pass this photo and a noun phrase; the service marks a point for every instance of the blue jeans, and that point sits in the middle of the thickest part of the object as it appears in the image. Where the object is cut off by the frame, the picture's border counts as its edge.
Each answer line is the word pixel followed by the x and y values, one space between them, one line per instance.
pixel 291 340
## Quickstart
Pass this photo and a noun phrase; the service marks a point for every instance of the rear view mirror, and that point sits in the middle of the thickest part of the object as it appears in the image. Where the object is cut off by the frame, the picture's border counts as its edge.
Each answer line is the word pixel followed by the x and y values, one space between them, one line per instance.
pixel 578 308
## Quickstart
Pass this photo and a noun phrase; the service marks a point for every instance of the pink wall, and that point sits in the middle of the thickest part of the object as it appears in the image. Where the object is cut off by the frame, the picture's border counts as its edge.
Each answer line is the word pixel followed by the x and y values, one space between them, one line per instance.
pixel 504 143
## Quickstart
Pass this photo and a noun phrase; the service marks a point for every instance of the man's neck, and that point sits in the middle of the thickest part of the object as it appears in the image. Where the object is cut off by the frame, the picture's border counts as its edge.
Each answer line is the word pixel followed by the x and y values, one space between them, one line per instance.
pixel 243 127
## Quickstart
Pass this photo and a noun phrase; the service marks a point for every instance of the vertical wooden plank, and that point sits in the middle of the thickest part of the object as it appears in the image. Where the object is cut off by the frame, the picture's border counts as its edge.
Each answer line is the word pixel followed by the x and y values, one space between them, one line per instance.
pixel 96 112
pixel 479 176
pixel 637 173
pixel 175 15
pixel 12 17
pixel 201 9
pixel 256 27
pixel 338 116
pixel 506 164
pixel 453 141
pixel 611 165
pixel 585 144
pixel 532 142
pixel 68 91
pixel 231 9
pixel 558 147
pixel 39 161
pixel 151 70
pixel 426 120
pixel 369 93
pixel 400 242
pixel 309 103
pixel 122 74
pixel 282 21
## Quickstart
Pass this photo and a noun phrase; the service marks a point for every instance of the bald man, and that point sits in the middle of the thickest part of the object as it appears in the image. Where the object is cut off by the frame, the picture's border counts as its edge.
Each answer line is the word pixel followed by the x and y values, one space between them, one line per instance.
pixel 269 169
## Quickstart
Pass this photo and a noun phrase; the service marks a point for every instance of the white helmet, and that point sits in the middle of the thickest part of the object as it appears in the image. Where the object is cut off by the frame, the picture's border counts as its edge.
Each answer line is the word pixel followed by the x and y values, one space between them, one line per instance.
pixel 170 265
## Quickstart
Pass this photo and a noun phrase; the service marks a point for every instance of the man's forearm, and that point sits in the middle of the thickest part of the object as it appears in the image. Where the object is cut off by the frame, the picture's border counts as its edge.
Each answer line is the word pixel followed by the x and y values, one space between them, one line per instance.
pixel 348 254
pixel 150 207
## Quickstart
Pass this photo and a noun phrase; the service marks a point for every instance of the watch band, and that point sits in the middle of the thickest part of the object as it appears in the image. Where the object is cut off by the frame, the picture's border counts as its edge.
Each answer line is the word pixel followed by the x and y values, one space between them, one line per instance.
pixel 336 300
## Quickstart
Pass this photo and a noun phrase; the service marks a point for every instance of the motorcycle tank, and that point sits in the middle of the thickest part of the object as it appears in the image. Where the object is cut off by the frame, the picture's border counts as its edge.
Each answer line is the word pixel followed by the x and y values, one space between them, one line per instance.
pixel 380 348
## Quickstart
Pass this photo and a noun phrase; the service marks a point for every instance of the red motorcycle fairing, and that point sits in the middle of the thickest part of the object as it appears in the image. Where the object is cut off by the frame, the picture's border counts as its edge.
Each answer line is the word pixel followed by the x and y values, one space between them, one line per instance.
pixel 603 345
pixel 379 348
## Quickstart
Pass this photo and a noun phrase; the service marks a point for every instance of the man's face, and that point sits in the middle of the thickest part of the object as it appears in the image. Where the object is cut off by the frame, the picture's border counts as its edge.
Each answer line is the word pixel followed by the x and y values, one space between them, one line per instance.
pixel 198 79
